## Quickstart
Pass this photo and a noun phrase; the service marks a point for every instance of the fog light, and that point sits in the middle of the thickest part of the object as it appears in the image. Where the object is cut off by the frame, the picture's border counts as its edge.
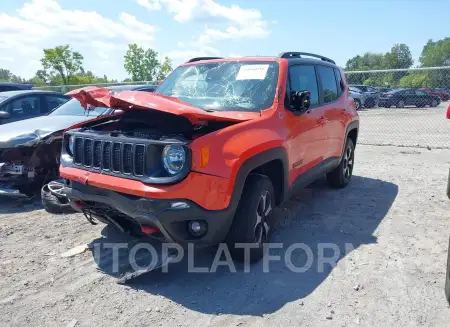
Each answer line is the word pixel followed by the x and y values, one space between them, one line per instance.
pixel 197 228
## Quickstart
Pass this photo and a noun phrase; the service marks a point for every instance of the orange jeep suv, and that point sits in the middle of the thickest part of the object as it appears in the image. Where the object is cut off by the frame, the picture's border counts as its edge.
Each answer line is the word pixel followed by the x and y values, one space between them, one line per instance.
pixel 220 142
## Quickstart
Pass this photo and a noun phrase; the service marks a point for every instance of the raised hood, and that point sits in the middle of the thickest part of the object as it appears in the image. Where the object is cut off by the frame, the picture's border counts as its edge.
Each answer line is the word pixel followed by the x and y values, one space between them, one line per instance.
pixel 136 100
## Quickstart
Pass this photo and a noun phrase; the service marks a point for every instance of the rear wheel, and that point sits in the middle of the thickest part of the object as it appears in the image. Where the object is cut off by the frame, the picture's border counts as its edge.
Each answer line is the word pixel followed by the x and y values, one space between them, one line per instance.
pixel 250 225
pixel 342 174
pixel 434 103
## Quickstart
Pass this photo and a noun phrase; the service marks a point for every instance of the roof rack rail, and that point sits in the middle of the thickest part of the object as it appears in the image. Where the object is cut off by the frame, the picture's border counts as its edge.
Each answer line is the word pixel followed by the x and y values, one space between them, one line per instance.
pixel 204 58
pixel 292 54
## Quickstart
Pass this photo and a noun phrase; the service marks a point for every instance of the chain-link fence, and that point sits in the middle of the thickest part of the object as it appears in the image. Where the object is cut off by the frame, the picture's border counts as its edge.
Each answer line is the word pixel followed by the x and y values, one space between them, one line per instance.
pixel 67 88
pixel 403 107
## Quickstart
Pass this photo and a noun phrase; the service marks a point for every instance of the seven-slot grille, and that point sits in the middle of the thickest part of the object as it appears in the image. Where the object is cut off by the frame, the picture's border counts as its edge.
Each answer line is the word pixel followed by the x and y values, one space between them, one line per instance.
pixel 118 157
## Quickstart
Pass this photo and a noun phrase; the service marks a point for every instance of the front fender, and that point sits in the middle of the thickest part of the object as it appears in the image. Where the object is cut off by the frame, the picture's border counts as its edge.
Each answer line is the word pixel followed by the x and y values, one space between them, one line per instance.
pixel 229 148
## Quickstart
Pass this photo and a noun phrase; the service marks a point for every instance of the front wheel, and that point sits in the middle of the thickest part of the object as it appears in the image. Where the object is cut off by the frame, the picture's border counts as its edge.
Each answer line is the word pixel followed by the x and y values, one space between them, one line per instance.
pixel 342 174
pixel 250 225
pixel 434 103
pixel 357 104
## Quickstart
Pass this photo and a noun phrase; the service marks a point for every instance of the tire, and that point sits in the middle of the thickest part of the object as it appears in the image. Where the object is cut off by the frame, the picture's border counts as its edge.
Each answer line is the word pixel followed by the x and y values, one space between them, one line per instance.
pixel 342 174
pixel 434 103
pixel 250 224
pixel 53 202
pixel 357 104
pixel 400 104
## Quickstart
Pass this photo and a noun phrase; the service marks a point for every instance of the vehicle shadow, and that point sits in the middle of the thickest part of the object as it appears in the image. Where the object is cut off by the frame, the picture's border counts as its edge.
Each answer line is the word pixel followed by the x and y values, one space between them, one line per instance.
pixel 316 216
pixel 19 205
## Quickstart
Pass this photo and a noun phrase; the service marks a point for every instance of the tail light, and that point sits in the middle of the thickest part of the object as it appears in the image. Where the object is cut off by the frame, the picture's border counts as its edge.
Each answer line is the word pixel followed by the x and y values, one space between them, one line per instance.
pixel 448 112
pixel 389 95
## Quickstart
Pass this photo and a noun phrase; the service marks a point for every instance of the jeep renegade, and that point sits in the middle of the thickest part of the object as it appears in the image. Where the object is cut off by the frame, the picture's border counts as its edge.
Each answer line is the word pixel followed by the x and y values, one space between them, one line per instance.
pixel 220 142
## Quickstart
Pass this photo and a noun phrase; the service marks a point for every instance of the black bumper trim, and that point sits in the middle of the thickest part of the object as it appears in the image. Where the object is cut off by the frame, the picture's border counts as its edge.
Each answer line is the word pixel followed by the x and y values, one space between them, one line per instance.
pixel 158 213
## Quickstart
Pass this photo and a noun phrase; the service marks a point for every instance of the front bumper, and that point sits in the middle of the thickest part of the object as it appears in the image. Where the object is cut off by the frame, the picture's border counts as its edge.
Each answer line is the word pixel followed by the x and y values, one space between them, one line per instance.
pixel 171 222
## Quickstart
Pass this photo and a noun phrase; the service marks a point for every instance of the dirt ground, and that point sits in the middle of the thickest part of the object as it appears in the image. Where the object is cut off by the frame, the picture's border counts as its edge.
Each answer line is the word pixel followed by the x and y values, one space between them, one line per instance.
pixel 394 214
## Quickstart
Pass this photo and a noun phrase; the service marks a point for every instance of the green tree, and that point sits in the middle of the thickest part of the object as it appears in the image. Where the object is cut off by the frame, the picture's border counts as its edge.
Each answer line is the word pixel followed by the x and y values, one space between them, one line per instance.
pixel 435 54
pixel 164 69
pixel 140 64
pixel 62 62
pixel 399 57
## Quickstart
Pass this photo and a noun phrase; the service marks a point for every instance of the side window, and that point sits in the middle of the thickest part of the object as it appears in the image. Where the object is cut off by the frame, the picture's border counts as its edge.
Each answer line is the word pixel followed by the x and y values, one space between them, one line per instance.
pixel 418 92
pixel 25 106
pixel 339 83
pixel 303 78
pixel 330 92
pixel 53 102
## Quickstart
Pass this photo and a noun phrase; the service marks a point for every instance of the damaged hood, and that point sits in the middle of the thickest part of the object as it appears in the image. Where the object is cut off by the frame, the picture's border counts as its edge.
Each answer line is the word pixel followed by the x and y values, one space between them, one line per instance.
pixel 30 131
pixel 135 100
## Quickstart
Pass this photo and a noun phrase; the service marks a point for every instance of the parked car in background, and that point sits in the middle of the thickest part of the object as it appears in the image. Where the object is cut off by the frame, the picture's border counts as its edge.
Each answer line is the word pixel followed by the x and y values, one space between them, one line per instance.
pixel 408 97
pixel 443 95
pixel 9 86
pixel 363 98
pixel 383 89
pixel 30 149
pixel 20 105
pixel 445 92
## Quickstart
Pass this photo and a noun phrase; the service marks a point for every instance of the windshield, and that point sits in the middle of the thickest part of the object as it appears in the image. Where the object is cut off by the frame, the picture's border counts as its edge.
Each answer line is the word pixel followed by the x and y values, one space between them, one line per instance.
pixel 2 98
pixel 74 108
pixel 224 86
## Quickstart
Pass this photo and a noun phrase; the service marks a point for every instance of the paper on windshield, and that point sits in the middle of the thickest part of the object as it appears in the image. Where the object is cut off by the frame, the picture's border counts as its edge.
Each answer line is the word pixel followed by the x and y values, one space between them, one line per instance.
pixel 252 72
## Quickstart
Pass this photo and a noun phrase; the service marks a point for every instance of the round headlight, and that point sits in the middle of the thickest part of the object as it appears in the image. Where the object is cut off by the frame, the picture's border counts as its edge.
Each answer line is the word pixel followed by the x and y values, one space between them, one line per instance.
pixel 71 144
pixel 174 158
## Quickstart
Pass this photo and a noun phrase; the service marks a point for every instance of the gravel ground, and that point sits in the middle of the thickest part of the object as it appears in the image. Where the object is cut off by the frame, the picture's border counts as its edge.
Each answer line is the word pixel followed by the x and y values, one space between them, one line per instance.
pixel 394 214
pixel 422 127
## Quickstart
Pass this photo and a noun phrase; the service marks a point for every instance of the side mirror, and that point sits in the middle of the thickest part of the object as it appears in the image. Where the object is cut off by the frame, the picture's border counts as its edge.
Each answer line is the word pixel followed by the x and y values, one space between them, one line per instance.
pixel 4 115
pixel 300 100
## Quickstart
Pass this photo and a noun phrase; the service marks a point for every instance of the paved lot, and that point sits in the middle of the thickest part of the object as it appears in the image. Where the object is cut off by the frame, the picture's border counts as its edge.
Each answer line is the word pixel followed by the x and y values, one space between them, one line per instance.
pixel 406 126
pixel 394 214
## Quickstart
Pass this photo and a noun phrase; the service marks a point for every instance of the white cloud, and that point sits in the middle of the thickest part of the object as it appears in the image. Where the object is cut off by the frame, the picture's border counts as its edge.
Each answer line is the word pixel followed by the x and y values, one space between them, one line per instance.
pixel 234 55
pixel 44 23
pixel 239 22
pixel 10 59
pixel 180 44
pixel 181 56
pixel 149 4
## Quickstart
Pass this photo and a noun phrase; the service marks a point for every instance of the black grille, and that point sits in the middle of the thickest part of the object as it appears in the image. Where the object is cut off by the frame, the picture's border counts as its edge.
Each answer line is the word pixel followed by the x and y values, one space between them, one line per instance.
pixel 127 158
pixel 97 162
pixel 139 159
pixel 78 149
pixel 120 158
pixel 116 157
pixel 87 155
pixel 107 156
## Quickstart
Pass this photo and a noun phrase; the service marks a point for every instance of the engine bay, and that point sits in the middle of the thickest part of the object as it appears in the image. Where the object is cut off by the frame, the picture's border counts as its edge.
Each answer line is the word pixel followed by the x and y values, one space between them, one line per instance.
pixel 154 125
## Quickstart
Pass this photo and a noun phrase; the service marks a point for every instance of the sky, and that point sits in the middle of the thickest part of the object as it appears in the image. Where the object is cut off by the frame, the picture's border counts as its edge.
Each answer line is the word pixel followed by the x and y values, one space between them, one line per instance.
pixel 181 29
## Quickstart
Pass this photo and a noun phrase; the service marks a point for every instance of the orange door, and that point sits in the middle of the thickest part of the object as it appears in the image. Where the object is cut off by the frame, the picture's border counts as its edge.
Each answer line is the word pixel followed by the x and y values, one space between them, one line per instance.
pixel 307 138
